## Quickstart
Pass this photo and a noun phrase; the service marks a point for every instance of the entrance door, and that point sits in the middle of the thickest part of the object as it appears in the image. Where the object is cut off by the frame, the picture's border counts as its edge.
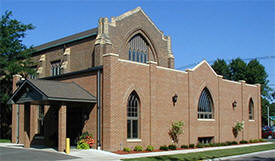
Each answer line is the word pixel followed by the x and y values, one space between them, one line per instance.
pixel 75 124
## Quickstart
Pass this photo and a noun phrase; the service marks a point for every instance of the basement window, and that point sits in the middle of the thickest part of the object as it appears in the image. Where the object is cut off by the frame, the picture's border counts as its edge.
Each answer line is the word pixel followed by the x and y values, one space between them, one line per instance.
pixel 205 140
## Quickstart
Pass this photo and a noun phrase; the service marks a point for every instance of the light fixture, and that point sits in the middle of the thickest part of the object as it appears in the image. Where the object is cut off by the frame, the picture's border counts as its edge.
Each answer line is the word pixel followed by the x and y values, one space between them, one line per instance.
pixel 234 104
pixel 175 98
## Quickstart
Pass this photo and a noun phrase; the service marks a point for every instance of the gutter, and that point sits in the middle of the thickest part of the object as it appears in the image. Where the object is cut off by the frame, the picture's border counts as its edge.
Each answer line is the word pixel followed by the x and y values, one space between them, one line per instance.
pixel 98 109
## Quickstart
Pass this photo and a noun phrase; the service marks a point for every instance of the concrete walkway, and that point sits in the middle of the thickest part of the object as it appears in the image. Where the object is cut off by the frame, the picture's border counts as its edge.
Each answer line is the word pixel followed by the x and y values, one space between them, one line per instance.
pixel 99 155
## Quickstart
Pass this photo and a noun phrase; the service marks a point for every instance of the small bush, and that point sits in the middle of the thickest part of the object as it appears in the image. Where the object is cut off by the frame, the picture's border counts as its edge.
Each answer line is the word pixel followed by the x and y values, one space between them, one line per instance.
pixel 229 143
pixel 262 140
pixel 243 142
pixel 138 148
pixel 199 145
pixel 212 145
pixel 234 143
pixel 126 149
pixel 191 145
pixel 223 144
pixel 82 145
pixel 150 148
pixel 172 147
pixel 164 147
pixel 184 146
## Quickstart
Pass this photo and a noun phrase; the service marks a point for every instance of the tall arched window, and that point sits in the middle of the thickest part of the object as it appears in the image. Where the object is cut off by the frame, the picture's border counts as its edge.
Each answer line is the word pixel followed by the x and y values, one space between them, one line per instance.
pixel 251 109
pixel 205 106
pixel 138 49
pixel 132 116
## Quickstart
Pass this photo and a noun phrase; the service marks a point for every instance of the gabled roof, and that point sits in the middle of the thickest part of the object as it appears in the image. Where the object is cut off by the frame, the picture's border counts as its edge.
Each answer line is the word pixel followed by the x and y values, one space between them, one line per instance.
pixel 67 39
pixel 45 91
pixel 204 62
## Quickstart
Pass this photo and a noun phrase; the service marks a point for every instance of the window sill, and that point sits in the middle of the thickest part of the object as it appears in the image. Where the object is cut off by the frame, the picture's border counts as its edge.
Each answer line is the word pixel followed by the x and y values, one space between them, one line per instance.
pixel 251 120
pixel 133 140
pixel 206 119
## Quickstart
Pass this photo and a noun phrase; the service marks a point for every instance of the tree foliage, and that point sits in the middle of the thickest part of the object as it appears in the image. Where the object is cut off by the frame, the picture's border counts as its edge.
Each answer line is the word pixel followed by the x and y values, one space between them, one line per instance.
pixel 252 72
pixel 14 59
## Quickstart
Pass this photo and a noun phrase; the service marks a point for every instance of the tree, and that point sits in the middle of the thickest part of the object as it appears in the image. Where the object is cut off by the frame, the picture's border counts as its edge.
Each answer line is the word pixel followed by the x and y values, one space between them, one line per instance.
pixel 237 69
pixel 221 68
pixel 253 72
pixel 14 59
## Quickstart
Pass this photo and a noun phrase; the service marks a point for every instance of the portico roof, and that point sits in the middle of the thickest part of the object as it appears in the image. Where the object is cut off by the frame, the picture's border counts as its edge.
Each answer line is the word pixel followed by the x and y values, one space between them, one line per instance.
pixel 46 91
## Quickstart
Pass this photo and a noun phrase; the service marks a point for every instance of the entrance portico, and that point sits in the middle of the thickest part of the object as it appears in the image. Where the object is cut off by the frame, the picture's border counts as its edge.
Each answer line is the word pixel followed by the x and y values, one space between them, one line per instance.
pixel 56 95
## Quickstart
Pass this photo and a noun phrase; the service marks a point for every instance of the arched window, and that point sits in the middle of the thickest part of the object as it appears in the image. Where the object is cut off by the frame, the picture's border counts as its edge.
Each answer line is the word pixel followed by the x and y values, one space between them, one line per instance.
pixel 132 116
pixel 205 106
pixel 251 109
pixel 138 49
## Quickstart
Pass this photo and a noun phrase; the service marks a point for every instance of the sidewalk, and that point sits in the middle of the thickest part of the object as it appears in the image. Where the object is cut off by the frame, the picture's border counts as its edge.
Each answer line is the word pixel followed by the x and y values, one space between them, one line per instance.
pixel 100 155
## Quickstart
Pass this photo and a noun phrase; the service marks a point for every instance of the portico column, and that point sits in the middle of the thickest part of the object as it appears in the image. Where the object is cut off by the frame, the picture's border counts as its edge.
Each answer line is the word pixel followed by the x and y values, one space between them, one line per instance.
pixel 27 125
pixel 62 114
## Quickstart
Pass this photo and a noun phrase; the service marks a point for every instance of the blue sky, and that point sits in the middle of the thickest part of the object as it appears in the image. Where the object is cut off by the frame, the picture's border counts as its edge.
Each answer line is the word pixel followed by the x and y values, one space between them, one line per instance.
pixel 200 29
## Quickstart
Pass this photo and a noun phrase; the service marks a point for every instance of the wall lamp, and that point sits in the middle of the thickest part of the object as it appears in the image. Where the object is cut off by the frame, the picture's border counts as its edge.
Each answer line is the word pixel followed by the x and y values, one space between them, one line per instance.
pixel 174 99
pixel 234 104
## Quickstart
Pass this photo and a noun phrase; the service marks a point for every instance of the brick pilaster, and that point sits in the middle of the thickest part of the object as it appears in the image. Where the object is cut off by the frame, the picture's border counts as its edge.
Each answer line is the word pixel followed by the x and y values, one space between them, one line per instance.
pixel 62 114
pixel 15 111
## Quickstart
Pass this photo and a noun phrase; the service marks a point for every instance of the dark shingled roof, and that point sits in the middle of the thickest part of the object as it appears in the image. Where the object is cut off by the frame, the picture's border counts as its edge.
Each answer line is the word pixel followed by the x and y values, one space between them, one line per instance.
pixel 56 91
pixel 68 90
pixel 67 39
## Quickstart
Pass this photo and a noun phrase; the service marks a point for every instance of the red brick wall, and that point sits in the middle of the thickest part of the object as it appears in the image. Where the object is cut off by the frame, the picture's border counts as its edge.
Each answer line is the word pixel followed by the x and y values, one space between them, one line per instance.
pixel 156 86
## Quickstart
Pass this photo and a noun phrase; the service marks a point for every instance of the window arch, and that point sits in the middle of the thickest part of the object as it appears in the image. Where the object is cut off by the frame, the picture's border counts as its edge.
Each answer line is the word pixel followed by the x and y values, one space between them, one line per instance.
pixel 138 49
pixel 205 106
pixel 133 116
pixel 251 109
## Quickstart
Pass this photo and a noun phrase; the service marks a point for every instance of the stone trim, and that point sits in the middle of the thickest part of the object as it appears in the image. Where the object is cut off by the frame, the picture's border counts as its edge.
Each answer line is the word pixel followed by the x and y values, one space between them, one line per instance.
pixel 133 62
pixel 110 54
pixel 133 140
pixel 170 69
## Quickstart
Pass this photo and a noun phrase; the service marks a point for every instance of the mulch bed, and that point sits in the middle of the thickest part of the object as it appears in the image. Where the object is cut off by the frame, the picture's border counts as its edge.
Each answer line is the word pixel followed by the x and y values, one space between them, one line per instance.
pixel 134 152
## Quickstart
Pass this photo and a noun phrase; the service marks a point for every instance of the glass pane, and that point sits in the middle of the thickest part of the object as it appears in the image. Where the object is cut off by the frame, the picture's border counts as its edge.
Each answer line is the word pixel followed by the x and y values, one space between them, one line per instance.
pixel 135 128
pixel 128 128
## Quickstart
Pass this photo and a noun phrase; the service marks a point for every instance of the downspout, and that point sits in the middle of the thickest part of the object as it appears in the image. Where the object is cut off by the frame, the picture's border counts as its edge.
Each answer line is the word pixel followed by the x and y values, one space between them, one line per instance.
pixel 98 109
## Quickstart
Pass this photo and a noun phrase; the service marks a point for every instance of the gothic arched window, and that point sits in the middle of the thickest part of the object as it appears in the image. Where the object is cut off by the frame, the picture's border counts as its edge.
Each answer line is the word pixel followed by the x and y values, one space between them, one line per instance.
pixel 205 106
pixel 251 109
pixel 138 49
pixel 133 116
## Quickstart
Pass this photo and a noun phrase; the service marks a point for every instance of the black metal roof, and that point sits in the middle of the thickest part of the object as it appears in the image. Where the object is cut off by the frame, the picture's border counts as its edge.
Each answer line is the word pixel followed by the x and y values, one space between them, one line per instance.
pixel 45 91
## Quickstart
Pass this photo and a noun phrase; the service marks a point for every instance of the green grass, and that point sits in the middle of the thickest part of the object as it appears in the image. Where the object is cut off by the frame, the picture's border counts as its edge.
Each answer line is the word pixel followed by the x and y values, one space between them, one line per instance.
pixel 5 141
pixel 207 154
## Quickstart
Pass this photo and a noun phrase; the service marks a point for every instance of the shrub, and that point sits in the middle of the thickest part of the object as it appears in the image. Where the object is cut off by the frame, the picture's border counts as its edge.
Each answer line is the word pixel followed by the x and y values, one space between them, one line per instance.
pixel 184 146
pixel 176 130
pixel 138 148
pixel 191 145
pixel 262 140
pixel 150 148
pixel 199 145
pixel 172 147
pixel 212 144
pixel 234 143
pixel 82 145
pixel 223 144
pixel 126 149
pixel 239 126
pixel 243 142
pixel 164 147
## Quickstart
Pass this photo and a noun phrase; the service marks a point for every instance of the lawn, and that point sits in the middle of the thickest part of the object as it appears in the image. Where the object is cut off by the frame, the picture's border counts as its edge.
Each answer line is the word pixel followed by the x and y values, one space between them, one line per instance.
pixel 5 141
pixel 207 154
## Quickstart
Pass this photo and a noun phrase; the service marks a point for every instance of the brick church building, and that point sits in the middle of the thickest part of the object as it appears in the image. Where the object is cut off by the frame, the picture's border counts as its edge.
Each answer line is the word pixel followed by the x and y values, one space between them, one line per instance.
pixel 118 82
